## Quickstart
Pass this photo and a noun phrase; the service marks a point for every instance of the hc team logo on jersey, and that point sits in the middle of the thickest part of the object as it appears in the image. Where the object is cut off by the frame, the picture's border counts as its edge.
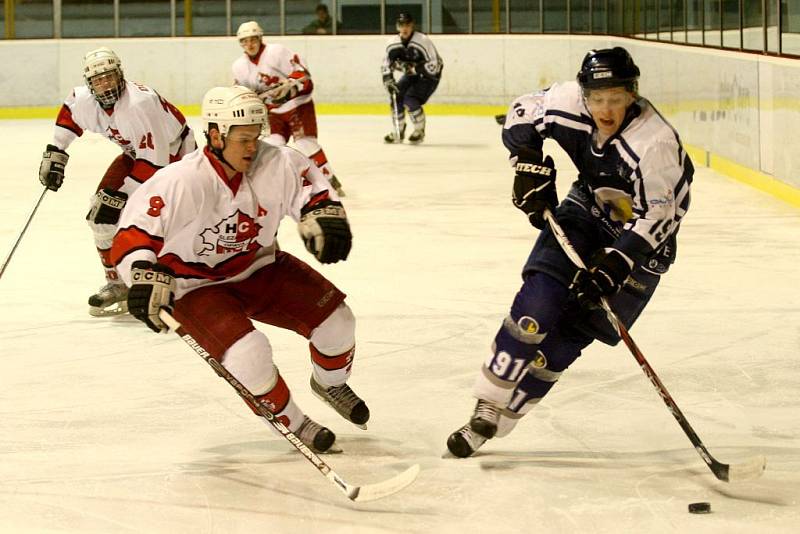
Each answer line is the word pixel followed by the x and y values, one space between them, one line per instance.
pixel 115 136
pixel 236 233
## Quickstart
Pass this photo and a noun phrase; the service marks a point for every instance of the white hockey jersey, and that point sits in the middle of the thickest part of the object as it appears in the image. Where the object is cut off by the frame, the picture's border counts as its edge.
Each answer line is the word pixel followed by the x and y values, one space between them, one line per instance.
pixel 273 64
pixel 209 230
pixel 144 125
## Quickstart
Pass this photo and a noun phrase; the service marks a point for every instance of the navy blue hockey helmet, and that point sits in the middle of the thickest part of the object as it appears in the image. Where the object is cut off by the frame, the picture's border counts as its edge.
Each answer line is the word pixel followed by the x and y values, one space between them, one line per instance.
pixel 404 17
pixel 609 67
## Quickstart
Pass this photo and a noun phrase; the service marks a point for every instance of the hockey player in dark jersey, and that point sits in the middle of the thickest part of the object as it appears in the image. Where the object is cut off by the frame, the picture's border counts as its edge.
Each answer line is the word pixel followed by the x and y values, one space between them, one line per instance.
pixel 412 53
pixel 622 214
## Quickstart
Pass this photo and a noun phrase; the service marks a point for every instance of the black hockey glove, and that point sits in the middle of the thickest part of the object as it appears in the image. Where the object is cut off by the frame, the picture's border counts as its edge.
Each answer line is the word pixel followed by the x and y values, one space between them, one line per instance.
pixel 604 277
pixel 534 186
pixel 390 84
pixel 107 206
pixel 326 231
pixel 51 170
pixel 152 288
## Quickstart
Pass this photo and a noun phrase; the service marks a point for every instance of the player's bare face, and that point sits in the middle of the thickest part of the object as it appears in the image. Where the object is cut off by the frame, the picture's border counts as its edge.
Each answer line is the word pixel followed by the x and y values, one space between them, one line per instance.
pixel 608 107
pixel 241 146
pixel 405 30
pixel 251 45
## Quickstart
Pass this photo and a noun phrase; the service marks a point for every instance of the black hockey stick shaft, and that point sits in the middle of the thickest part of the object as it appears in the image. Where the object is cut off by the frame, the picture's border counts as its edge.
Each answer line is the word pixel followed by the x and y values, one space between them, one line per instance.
pixel 367 492
pixel 720 470
pixel 24 229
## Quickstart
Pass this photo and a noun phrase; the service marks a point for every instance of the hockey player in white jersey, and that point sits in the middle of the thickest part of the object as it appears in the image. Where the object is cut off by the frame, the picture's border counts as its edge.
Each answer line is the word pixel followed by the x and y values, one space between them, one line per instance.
pixel 622 216
pixel 199 238
pixel 284 83
pixel 412 53
pixel 151 133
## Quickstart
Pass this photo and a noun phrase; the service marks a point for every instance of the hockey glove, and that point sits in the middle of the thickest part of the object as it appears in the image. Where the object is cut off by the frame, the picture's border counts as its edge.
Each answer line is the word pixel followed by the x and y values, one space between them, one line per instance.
pixel 107 206
pixel 604 278
pixel 326 231
pixel 390 84
pixel 152 288
pixel 281 92
pixel 534 186
pixel 51 170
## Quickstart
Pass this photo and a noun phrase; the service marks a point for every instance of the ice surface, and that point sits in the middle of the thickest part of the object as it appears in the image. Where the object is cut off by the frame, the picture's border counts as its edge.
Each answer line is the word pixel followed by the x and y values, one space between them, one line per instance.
pixel 107 427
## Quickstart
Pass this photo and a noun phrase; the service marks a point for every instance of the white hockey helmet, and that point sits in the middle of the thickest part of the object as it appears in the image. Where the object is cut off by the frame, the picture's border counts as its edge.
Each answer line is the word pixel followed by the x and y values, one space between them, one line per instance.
pixel 101 62
pixel 232 106
pixel 249 29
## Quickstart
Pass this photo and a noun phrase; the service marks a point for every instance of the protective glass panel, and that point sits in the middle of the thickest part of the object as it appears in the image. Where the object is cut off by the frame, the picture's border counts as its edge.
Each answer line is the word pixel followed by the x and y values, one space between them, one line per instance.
pixel 33 19
pixel 694 21
pixel 678 17
pixel 615 16
pixel 145 18
pixel 87 18
pixel 266 12
pixel 525 16
pixel 453 16
pixel 651 19
pixel 579 21
pixel 790 33
pixel 712 20
pixel 359 16
pixel 752 25
pixel 555 16
pixel 488 16
pixel 600 17
pixel 309 17
pixel 208 17
pixel 730 24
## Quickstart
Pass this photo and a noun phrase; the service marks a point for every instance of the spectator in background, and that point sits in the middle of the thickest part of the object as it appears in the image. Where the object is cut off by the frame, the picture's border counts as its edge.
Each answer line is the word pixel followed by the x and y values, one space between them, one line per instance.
pixel 323 25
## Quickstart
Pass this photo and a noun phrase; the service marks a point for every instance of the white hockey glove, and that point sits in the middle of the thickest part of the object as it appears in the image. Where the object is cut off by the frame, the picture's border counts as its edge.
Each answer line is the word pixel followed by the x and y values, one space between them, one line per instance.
pixel 152 288
pixel 281 91
pixel 390 84
pixel 107 206
pixel 51 170
pixel 326 231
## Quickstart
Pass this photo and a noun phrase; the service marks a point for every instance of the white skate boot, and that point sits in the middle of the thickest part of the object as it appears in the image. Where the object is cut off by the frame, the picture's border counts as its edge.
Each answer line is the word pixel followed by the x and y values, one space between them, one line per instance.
pixel 111 299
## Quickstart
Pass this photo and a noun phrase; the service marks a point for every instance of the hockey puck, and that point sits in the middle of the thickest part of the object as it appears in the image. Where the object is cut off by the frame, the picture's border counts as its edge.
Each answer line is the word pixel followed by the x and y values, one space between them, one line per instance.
pixel 700 508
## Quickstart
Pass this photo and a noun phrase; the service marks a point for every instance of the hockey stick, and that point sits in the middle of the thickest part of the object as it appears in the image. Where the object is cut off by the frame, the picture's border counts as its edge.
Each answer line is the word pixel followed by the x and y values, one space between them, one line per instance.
pixel 395 117
pixel 24 229
pixel 750 469
pixel 367 492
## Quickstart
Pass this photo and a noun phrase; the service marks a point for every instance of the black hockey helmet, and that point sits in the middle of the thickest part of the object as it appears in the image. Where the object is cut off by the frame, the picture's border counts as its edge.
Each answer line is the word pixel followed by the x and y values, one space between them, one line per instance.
pixel 609 67
pixel 404 17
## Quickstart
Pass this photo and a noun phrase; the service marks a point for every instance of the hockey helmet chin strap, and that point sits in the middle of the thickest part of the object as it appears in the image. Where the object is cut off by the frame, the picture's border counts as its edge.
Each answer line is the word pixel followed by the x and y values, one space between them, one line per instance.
pixel 218 151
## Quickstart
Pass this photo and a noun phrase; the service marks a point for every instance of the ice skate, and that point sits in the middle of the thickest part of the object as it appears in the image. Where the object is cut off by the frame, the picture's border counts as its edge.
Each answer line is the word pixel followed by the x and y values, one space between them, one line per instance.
pixel 464 442
pixel 337 185
pixel 111 299
pixel 416 136
pixel 484 420
pixel 315 436
pixel 344 401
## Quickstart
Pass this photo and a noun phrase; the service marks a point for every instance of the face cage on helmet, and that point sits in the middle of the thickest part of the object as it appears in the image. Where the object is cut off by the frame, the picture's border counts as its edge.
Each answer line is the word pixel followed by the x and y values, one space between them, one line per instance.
pixel 109 97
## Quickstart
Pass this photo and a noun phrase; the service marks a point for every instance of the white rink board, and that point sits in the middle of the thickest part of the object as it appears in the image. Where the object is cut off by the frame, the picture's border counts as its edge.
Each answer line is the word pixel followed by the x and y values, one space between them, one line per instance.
pixel 107 427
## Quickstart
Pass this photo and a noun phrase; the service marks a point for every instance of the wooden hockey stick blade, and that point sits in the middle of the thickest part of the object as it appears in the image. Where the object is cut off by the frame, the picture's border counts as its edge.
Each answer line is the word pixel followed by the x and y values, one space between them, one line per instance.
pixel 747 470
pixel 379 490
